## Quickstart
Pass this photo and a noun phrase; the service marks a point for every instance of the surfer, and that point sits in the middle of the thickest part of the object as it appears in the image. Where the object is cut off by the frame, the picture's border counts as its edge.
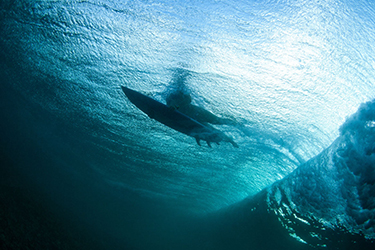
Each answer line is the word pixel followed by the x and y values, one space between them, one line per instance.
pixel 175 119
pixel 180 114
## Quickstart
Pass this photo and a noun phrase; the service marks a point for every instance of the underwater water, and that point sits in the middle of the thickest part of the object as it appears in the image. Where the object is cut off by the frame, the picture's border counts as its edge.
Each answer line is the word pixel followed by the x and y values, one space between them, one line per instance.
pixel 296 77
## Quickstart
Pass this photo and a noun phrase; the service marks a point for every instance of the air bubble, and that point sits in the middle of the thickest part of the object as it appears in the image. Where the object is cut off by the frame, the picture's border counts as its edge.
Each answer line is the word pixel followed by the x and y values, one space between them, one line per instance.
pixel 370 124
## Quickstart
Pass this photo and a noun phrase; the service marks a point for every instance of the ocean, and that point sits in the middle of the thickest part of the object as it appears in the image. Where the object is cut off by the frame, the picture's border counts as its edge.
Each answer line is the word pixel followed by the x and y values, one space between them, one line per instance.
pixel 291 82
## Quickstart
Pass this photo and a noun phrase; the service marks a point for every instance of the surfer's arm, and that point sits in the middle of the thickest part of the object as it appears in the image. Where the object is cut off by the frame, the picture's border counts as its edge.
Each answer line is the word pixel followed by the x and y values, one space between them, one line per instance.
pixel 205 116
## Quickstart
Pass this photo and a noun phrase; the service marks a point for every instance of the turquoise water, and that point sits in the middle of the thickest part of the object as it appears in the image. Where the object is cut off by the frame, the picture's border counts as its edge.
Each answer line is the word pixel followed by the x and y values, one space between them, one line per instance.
pixel 288 73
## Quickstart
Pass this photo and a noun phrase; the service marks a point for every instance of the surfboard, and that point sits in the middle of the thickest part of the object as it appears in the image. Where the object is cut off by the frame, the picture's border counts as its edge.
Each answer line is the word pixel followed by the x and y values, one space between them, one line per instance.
pixel 175 119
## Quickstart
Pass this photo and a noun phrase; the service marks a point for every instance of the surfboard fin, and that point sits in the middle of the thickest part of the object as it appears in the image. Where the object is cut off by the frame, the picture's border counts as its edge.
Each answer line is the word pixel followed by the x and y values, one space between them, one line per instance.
pixel 234 144
pixel 197 140
pixel 209 144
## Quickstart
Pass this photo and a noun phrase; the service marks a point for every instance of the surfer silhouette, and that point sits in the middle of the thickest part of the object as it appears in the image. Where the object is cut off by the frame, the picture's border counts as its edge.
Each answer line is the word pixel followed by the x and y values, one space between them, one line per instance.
pixel 180 114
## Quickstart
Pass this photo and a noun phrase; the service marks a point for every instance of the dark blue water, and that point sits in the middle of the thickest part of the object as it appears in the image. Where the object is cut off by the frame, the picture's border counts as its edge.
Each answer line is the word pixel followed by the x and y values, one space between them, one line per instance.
pixel 296 78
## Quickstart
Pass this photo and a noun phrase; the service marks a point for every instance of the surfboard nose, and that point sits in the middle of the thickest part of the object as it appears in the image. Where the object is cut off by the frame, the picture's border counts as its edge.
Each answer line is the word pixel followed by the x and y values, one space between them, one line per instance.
pixel 131 94
pixel 125 89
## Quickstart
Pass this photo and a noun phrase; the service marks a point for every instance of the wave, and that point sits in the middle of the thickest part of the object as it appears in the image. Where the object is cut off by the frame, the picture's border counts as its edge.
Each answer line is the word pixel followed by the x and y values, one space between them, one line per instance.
pixel 327 202
pixel 334 190
pixel 286 81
